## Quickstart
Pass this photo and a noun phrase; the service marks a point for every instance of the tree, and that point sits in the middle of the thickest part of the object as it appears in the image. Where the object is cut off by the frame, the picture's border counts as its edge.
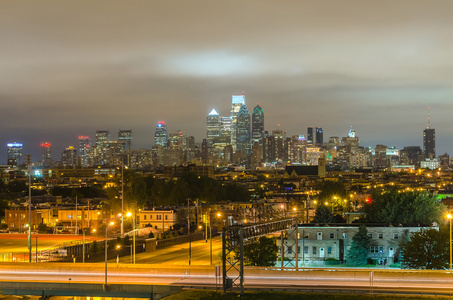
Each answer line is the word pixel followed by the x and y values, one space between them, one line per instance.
pixel 323 214
pixel 407 208
pixel 360 245
pixel 330 189
pixel 427 249
pixel 262 253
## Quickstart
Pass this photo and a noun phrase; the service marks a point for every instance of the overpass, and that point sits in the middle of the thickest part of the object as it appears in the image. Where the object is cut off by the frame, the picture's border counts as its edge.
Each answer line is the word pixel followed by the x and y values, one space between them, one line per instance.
pixel 156 281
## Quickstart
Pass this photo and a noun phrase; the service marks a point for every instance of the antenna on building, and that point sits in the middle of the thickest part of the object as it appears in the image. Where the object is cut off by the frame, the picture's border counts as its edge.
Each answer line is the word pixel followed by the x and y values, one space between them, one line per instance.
pixel 429 117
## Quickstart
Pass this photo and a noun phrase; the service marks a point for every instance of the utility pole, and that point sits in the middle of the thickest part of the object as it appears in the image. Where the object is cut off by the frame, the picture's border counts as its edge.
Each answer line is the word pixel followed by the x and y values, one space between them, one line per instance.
pixel 28 160
pixel 76 231
pixel 188 230
pixel 122 197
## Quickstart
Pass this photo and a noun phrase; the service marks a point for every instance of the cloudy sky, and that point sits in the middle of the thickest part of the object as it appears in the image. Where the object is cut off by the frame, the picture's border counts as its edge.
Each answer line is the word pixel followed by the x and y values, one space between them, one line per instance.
pixel 71 67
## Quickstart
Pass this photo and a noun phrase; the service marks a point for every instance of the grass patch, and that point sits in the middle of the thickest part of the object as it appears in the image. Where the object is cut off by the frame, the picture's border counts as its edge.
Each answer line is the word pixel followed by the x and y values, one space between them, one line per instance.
pixel 212 295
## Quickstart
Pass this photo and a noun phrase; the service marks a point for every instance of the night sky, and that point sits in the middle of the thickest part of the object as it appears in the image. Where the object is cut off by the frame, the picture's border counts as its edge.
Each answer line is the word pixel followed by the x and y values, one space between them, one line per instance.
pixel 71 67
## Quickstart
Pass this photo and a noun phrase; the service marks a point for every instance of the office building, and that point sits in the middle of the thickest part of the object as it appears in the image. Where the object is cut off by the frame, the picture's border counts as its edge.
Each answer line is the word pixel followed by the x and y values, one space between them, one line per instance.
pixel 429 143
pixel 213 126
pixel 69 157
pixel 84 150
pixel 161 134
pixel 257 124
pixel 46 155
pixel 243 130
pixel 310 140
pixel 125 137
pixel 102 136
pixel 237 102
pixel 319 137
pixel 14 153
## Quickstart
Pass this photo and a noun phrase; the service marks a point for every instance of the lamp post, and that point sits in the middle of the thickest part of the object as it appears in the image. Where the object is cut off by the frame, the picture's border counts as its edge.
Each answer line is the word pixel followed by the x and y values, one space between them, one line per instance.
pixel 106 228
pixel 449 216
pixel 129 214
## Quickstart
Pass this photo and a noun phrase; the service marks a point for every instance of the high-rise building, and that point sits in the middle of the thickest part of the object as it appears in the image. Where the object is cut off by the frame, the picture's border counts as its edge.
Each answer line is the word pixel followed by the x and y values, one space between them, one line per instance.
pixel 319 136
pixel 84 150
pixel 243 130
pixel 161 134
pixel 237 102
pixel 257 124
pixel 125 137
pixel 46 155
pixel 102 136
pixel 14 154
pixel 429 142
pixel 213 126
pixel 69 157
pixel 310 140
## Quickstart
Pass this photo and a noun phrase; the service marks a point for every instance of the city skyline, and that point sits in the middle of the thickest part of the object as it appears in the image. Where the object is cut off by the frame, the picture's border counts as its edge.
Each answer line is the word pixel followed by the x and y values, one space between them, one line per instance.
pixel 375 66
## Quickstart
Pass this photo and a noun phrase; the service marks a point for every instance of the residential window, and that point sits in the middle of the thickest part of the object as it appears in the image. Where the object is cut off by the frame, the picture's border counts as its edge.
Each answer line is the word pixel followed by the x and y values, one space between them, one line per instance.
pixel 144 217
pixel 332 235
pixel 345 236
pixel 306 235
pixel 306 250
pixel 150 217
pixel 159 217
pixel 314 250
pixel 370 235
pixel 395 236
pixel 290 249
pixel 69 216
pixel 377 249
pixel 380 236
pixel 166 217
pixel 329 250
pixel 319 235
pixel 298 249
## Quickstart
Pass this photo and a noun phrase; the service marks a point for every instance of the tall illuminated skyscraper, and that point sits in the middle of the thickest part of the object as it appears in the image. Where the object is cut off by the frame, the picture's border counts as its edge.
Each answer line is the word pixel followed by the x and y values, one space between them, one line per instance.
pixel 161 134
pixel 213 126
pixel 14 154
pixel 243 130
pixel 46 155
pixel 102 136
pixel 257 124
pixel 237 102
pixel 125 137
pixel 69 157
pixel 84 150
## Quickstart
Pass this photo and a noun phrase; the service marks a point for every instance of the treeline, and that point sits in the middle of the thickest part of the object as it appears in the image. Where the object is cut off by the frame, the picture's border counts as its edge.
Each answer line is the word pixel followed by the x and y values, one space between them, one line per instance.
pixel 146 191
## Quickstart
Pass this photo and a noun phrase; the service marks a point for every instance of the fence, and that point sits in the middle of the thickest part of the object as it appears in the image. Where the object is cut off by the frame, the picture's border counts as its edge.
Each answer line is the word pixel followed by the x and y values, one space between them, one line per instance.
pixel 160 244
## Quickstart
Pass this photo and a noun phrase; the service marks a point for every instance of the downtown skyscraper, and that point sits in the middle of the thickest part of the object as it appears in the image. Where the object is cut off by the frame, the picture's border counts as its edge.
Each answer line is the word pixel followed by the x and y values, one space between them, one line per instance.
pixel 243 130
pixel 161 134
pixel 125 137
pixel 213 126
pixel 237 102
pixel 257 125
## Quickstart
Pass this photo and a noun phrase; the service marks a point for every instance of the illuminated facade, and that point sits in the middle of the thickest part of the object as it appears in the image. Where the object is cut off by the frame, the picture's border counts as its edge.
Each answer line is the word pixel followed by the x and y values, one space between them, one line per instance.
pixel 125 137
pixel 84 150
pixel 69 157
pixel 237 102
pixel 310 140
pixel 243 130
pixel 161 135
pixel 14 152
pixel 46 155
pixel 257 124
pixel 101 137
pixel 213 126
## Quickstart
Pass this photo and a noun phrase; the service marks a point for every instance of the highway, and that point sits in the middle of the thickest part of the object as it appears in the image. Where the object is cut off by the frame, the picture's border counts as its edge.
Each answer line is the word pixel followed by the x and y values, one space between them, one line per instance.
pixel 433 282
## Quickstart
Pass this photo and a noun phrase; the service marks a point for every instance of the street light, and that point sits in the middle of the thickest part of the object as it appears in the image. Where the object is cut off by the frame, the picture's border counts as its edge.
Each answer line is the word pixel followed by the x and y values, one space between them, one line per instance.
pixel 129 214
pixel 106 228
pixel 449 216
